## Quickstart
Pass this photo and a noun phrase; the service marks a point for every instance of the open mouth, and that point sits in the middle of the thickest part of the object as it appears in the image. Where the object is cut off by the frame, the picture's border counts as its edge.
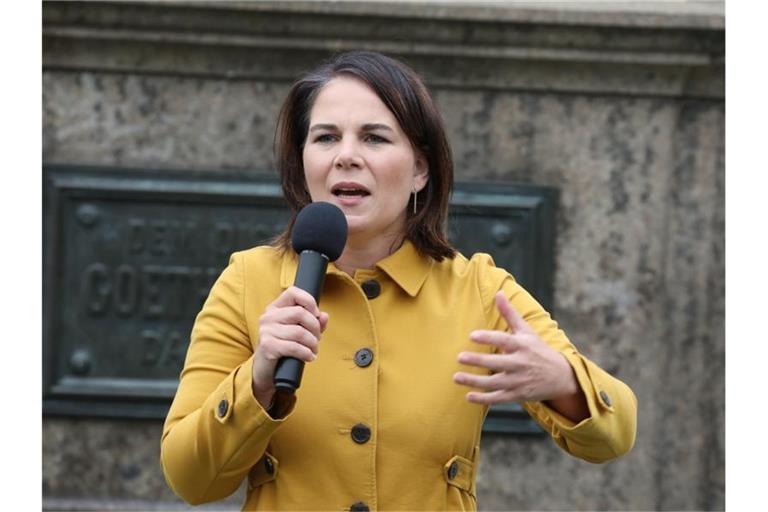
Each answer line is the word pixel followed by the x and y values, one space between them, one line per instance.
pixel 349 190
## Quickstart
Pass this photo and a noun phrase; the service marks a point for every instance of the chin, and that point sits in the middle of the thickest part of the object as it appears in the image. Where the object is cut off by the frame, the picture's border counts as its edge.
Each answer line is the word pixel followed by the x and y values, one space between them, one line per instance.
pixel 354 223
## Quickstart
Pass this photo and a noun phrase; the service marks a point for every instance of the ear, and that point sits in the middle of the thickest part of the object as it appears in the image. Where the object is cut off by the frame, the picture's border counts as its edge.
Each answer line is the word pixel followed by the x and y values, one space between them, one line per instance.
pixel 420 172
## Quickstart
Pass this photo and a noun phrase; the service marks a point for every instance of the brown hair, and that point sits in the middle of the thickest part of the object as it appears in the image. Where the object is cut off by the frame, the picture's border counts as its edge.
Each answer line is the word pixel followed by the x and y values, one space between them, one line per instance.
pixel 404 94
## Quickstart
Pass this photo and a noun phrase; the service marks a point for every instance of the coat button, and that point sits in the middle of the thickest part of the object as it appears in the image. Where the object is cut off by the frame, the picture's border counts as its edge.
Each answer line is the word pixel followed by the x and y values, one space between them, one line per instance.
pixel 453 470
pixel 269 465
pixel 223 407
pixel 359 507
pixel 363 357
pixel 361 433
pixel 372 288
pixel 605 398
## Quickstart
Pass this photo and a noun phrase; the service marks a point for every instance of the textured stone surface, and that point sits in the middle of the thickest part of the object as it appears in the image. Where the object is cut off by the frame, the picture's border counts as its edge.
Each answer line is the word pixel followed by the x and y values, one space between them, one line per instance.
pixel 87 463
pixel 639 287
pixel 639 259
pixel 501 47
pixel 131 120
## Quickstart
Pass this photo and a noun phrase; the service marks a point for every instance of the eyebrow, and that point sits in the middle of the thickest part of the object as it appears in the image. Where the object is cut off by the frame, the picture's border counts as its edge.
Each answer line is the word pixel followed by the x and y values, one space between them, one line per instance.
pixel 376 126
pixel 366 127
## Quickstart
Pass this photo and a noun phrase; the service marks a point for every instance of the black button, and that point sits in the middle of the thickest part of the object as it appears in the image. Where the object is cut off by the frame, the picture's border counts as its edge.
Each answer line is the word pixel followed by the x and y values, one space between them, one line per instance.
pixel 361 433
pixel 359 507
pixel 372 288
pixel 605 398
pixel 269 465
pixel 363 357
pixel 223 407
pixel 453 470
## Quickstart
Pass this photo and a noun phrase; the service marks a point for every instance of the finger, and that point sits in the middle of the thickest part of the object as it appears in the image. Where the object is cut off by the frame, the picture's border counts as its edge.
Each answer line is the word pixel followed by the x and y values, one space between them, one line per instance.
pixel 323 319
pixel 510 314
pixel 493 362
pixel 297 315
pixel 296 296
pixel 503 340
pixel 294 334
pixel 492 382
pixel 279 348
pixel 292 315
pixel 492 397
pixel 292 349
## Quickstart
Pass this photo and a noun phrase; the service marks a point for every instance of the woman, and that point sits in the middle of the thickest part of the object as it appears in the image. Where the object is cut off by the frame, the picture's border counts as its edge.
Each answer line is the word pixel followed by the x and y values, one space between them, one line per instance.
pixel 385 417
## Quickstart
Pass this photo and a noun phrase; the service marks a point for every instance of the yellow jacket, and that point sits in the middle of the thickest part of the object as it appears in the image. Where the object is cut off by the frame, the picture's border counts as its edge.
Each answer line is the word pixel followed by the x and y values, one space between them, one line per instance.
pixel 385 428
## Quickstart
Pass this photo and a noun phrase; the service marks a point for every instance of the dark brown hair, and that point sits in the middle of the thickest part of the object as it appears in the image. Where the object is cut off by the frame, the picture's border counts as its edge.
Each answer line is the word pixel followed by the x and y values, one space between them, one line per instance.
pixel 404 94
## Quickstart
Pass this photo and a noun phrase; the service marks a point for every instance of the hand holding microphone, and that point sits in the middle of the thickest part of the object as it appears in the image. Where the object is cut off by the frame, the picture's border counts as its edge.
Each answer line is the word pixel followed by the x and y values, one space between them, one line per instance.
pixel 291 326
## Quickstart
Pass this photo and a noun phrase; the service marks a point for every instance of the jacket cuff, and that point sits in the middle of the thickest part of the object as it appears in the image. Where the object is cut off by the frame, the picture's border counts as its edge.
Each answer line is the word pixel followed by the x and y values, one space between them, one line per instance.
pixel 591 438
pixel 234 406
pixel 598 400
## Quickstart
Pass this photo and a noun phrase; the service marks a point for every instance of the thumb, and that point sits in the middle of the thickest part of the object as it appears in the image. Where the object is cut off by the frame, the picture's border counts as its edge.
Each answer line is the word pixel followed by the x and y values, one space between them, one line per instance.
pixel 514 320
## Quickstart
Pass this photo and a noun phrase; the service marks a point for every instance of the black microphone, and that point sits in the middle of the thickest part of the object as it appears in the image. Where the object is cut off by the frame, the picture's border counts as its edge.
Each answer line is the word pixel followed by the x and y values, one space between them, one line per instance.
pixel 319 236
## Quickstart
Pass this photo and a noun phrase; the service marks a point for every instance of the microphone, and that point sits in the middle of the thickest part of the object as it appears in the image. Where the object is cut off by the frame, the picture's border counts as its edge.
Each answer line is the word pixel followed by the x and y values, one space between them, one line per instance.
pixel 319 236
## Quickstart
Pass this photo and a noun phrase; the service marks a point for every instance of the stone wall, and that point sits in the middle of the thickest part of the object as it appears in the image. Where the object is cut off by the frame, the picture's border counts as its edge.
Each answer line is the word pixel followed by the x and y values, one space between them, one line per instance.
pixel 623 112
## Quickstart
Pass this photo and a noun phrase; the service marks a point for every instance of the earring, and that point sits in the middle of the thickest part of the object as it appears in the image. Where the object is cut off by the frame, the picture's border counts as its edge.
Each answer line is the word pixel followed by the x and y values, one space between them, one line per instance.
pixel 414 200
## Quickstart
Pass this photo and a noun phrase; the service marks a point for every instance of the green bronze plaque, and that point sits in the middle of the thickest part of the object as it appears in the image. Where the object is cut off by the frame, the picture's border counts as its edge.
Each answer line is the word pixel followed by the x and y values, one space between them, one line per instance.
pixel 130 256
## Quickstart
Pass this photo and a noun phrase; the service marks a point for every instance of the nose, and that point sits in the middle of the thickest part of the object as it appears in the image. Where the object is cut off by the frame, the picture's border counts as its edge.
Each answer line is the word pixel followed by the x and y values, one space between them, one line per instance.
pixel 348 156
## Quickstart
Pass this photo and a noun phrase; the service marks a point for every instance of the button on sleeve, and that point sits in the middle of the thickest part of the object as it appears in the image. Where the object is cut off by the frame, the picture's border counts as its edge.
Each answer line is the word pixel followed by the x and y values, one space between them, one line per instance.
pixel 223 408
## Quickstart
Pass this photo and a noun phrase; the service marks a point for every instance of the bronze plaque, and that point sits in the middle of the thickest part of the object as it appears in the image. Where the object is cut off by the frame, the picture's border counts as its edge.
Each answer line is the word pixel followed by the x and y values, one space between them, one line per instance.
pixel 130 256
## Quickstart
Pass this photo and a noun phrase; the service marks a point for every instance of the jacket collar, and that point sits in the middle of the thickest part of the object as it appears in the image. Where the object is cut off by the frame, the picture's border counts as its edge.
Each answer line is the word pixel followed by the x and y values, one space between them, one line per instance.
pixel 406 266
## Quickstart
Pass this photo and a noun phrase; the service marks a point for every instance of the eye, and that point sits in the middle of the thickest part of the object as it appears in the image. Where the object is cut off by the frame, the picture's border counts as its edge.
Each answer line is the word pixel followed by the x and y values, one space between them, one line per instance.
pixel 324 138
pixel 375 139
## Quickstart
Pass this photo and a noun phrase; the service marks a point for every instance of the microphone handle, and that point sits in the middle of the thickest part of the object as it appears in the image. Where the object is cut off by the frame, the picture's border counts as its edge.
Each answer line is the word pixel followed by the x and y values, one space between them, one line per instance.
pixel 310 276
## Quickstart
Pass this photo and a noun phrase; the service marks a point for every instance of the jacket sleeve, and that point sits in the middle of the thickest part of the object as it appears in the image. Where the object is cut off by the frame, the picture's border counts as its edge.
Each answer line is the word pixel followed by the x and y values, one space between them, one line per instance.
pixel 216 430
pixel 609 431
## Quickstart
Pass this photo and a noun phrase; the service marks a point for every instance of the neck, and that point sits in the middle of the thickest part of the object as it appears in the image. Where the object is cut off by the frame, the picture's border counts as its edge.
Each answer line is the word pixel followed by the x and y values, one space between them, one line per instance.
pixel 366 252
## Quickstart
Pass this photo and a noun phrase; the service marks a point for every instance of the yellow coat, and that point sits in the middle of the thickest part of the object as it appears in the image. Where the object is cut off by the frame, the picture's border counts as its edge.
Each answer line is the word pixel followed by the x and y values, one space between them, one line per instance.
pixel 417 438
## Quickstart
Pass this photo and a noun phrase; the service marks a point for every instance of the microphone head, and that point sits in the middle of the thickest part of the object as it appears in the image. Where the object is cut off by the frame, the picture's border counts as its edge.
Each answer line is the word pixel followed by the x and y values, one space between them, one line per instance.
pixel 320 227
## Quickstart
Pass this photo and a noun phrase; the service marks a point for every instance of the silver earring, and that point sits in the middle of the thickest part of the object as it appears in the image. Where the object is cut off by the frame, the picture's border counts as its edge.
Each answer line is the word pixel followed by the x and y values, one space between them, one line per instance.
pixel 414 200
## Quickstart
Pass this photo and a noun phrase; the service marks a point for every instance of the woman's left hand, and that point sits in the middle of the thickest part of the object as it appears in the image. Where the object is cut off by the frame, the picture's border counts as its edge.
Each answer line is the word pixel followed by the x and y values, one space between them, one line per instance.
pixel 524 368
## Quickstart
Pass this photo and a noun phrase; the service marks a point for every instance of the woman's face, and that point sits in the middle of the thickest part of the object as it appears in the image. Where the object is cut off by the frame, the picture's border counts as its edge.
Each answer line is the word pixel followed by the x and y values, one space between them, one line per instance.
pixel 357 157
